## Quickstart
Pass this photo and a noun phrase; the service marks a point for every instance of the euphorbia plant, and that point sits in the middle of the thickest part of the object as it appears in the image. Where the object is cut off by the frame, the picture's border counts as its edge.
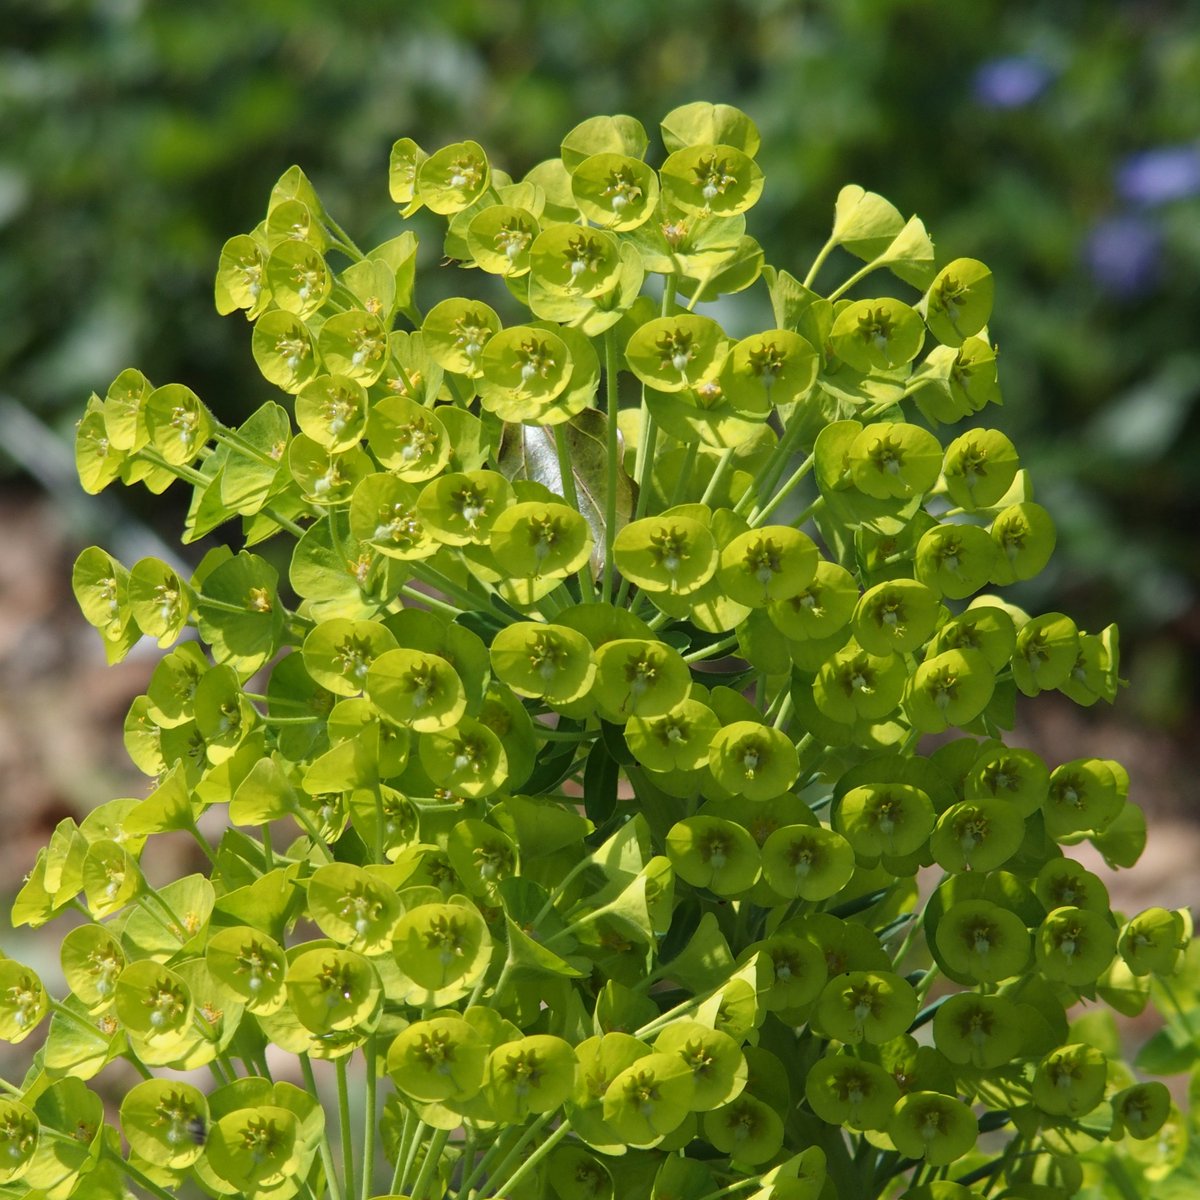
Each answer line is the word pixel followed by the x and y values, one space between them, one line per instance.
pixel 565 728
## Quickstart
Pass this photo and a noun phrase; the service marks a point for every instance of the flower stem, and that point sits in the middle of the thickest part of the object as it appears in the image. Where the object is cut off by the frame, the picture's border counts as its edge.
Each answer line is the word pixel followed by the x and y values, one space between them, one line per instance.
pixel 613 397
pixel 331 1180
pixel 368 1155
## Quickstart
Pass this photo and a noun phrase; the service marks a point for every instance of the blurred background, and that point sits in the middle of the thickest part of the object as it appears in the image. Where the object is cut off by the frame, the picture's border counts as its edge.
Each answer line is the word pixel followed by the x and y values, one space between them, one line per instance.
pixel 1059 141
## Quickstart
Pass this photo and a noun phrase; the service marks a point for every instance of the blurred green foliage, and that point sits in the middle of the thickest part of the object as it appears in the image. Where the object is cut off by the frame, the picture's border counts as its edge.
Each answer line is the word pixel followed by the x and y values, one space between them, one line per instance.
pixel 135 136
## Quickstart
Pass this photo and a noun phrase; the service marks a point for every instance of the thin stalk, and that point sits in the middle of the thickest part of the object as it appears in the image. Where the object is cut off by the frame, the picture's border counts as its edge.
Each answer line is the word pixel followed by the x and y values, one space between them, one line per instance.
pixel 142 1180
pixel 481 1168
pixel 235 441
pixel 409 1159
pixel 202 842
pixel 819 262
pixel 313 832
pixel 733 1188
pixel 689 465
pixel 433 601
pixel 760 514
pixel 185 473
pixel 718 475
pixel 861 273
pixel 433 1156
pixel 368 1141
pixel 345 240
pixel 613 397
pixel 711 651
pixel 531 1163
pixel 343 1095
pixel 326 1151
pixel 297 531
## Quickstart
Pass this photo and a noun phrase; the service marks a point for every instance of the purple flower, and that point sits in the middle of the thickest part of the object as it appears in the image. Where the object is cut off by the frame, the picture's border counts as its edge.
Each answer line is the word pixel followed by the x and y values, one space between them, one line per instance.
pixel 1160 175
pixel 1010 82
pixel 1124 255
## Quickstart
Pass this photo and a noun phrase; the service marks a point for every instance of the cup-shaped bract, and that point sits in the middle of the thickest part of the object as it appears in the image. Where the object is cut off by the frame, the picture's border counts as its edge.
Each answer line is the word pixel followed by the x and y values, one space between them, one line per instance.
pixel 856 685
pixel 254 1148
pixel 982 941
pixel 800 970
pixel 541 540
pixel 979 468
pixel 153 1001
pixel 950 688
pixel 1024 534
pixel 249 964
pixel 460 508
pixel 442 945
pixel 714 853
pixel 338 653
pixel 23 1001
pixel 20 1136
pixel 865 1006
pixel 885 818
pixel 984 627
pixel 984 1032
pixel 615 191
pixel 440 1058
pixel 955 560
pixel 679 740
pixel 1141 1110
pixel 753 760
pixel 91 959
pixel 1009 773
pixel 417 690
pixel 767 370
pixel 1070 1080
pixel 877 335
pixel 499 238
pixel 894 460
pixel 638 677
pixel 895 617
pixel 1082 795
pixel 824 606
pixel 666 553
pixel 852 1092
pixel 807 861
pixel 284 350
pixel 932 1126
pixel 976 835
pixel 1152 941
pixel 543 661
pixel 1065 883
pixel 533 1074
pixel 467 759
pixel 747 1129
pixel 455 333
pixel 711 179
pixel 718 1066
pixel 453 178
pixel 771 563
pixel 959 301
pixel 165 1122
pixel 354 907
pixel 673 354
pixel 649 1098
pixel 332 990
pixel 1075 946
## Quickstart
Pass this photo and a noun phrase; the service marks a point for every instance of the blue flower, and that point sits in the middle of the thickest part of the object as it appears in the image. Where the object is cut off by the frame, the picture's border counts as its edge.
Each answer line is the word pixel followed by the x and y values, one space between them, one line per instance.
pixel 1160 175
pixel 1124 255
pixel 1010 82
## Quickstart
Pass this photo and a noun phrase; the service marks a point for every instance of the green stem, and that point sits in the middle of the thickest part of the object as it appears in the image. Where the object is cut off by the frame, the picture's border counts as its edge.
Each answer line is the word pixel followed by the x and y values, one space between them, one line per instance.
pixel 861 273
pixel 759 515
pixel 202 842
pixel 313 832
pixel 804 516
pixel 1115 1169
pixel 343 1095
pixel 331 1180
pixel 235 441
pixel 346 241
pixel 433 1155
pixel 432 601
pixel 819 262
pixel 733 1188
pixel 143 1181
pixel 187 474
pixel 685 472
pixel 297 531
pixel 368 1156
pixel 718 475
pixel 530 1164
pixel 410 1157
pixel 613 397
pixel 714 650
